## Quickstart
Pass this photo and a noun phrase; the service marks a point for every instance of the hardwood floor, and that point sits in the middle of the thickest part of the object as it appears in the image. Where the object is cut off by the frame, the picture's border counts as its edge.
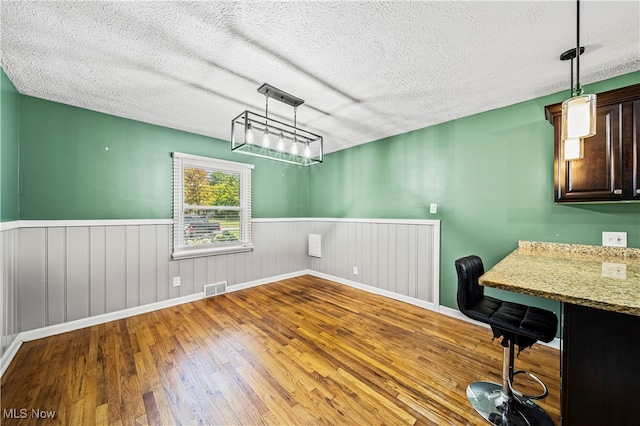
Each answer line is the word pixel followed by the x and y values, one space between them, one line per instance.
pixel 303 351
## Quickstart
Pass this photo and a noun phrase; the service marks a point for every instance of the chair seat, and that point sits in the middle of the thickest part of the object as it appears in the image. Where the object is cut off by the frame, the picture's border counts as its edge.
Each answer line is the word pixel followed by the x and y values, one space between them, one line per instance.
pixel 522 324
pixel 484 309
pixel 527 321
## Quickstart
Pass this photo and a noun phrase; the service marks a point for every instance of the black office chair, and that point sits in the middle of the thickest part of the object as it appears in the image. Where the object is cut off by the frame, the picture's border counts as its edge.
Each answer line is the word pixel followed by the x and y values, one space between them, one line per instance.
pixel 518 325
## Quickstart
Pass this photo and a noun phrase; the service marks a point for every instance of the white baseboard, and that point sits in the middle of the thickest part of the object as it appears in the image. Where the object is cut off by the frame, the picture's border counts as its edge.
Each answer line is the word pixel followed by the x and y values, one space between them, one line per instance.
pixel 262 281
pixel 8 355
pixel 52 330
pixel 454 313
pixel 376 290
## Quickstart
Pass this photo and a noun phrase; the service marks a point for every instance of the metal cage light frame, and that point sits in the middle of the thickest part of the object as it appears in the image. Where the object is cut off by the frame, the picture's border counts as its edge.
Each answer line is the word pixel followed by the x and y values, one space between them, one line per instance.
pixel 276 140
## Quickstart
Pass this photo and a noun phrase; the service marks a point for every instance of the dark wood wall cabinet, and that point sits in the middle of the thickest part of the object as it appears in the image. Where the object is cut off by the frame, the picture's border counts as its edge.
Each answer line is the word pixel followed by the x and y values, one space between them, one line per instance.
pixel 609 170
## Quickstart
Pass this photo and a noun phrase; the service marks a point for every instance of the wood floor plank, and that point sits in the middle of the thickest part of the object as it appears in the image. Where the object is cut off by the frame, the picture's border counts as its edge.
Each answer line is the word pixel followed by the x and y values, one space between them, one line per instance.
pixel 302 351
pixel 102 415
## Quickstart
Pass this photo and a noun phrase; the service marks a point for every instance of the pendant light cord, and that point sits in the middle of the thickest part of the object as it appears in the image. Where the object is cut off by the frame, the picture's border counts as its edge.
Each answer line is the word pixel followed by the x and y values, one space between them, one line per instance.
pixel 295 124
pixel 572 87
pixel 578 88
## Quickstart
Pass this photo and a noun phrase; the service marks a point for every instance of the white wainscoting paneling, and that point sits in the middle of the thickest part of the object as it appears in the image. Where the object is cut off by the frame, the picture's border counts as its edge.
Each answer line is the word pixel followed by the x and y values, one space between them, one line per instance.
pixel 59 273
pixel 67 273
pixel 9 244
pixel 399 257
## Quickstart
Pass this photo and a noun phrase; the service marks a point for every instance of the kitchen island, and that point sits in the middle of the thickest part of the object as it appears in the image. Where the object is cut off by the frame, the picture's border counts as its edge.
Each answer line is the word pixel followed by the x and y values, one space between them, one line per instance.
pixel 600 325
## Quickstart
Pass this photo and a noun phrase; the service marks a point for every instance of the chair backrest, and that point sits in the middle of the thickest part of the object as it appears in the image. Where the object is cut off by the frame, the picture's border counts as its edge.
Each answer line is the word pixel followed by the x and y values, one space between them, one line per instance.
pixel 469 291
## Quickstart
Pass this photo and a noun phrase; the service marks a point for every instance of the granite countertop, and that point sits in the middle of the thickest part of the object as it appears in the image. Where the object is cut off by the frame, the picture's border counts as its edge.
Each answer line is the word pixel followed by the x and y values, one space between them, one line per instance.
pixel 599 277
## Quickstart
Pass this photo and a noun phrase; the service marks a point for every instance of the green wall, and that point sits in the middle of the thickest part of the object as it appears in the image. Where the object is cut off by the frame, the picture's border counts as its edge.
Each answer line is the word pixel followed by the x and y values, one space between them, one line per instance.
pixel 9 149
pixel 492 177
pixel 81 164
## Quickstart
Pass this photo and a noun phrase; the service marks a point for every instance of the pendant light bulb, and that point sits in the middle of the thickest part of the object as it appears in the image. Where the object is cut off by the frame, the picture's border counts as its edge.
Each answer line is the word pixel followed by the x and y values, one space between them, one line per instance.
pixel 294 147
pixel 579 117
pixel 573 149
pixel 281 142
pixel 248 134
pixel 265 139
pixel 307 151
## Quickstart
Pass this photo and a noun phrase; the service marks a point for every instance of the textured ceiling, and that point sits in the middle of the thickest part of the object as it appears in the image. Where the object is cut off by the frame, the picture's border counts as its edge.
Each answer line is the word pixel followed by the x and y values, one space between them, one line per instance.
pixel 367 70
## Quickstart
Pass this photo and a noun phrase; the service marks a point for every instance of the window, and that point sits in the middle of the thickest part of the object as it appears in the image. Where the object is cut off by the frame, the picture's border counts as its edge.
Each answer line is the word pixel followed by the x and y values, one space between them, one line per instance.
pixel 211 206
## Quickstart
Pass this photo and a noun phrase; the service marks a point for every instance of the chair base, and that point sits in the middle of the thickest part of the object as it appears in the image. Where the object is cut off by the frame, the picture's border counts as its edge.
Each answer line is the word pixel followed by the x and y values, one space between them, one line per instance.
pixel 489 401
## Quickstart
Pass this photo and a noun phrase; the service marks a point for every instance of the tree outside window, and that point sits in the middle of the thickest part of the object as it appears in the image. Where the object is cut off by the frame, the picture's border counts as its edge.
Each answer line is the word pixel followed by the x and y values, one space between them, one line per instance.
pixel 212 210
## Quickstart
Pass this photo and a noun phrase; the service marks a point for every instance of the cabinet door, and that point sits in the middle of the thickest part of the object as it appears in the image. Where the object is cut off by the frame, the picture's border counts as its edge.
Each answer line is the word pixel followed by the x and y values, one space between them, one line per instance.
pixel 633 150
pixel 598 176
pixel 600 367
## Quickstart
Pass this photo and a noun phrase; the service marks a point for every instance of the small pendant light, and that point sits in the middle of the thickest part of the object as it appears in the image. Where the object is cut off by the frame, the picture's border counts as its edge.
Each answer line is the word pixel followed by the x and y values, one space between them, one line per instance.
pixel 578 112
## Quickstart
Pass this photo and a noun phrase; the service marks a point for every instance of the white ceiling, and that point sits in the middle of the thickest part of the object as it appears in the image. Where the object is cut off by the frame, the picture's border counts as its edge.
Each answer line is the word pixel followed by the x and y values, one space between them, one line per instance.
pixel 367 70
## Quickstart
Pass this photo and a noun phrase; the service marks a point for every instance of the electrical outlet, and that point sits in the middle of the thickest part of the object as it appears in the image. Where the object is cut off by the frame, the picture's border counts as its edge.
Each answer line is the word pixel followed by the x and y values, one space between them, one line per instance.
pixel 614 239
pixel 433 208
pixel 176 281
pixel 355 270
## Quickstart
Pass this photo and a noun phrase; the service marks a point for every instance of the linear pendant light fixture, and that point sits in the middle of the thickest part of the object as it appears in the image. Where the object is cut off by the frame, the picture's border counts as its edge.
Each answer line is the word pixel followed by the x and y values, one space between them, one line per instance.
pixel 579 111
pixel 277 140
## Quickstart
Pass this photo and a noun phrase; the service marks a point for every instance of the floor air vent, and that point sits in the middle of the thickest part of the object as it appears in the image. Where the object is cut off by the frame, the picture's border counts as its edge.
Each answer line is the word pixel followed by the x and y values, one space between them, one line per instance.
pixel 215 289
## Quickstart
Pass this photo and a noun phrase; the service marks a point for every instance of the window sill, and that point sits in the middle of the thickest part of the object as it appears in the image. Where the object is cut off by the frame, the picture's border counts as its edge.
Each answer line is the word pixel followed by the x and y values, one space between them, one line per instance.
pixel 188 253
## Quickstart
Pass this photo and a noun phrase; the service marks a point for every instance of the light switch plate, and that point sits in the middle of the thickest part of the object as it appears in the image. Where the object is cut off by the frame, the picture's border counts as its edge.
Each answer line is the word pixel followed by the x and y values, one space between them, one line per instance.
pixel 433 208
pixel 614 239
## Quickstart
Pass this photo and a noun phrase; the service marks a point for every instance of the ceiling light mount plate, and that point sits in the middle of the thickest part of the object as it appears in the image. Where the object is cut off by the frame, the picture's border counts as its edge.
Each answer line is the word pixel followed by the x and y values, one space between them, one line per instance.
pixel 280 95
pixel 571 54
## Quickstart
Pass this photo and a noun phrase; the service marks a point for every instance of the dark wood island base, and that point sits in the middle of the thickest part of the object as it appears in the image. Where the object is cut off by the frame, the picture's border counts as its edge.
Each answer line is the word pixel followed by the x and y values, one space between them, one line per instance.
pixel 599 288
pixel 600 367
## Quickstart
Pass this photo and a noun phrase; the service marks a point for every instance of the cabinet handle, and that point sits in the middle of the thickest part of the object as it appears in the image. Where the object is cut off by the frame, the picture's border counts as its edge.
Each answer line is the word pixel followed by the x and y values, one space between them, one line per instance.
pixel 617 191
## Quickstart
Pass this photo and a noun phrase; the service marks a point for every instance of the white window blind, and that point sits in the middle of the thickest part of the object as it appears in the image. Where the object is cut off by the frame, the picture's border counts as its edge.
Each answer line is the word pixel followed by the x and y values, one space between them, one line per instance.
pixel 211 206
